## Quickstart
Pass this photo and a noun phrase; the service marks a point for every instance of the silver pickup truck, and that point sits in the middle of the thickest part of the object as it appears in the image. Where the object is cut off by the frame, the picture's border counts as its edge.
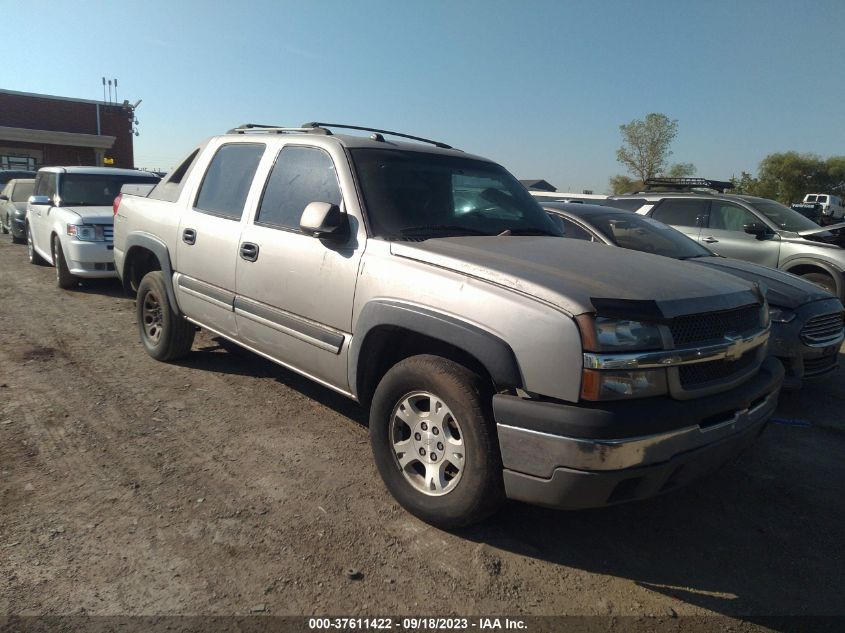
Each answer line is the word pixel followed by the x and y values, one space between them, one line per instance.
pixel 428 284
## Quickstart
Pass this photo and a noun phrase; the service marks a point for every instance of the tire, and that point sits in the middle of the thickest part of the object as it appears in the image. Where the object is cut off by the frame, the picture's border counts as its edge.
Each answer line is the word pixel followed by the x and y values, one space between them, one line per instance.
pixel 821 279
pixel 164 334
pixel 64 279
pixel 459 480
pixel 34 258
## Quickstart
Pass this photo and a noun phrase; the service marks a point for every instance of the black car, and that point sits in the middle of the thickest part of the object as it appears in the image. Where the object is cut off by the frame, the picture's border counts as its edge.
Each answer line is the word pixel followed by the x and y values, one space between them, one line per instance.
pixel 807 321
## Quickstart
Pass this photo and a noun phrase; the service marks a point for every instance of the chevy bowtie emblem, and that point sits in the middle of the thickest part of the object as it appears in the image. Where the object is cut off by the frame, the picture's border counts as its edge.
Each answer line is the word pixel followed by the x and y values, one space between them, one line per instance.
pixel 734 350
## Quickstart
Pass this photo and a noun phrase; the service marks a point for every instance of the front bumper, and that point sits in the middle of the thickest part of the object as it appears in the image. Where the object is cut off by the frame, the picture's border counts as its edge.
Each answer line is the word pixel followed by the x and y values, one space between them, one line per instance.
pixel 800 359
pixel 89 259
pixel 18 226
pixel 582 456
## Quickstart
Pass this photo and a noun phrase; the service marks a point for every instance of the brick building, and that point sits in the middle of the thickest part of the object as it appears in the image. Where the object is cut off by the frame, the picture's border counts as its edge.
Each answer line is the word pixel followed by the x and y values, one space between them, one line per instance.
pixel 43 130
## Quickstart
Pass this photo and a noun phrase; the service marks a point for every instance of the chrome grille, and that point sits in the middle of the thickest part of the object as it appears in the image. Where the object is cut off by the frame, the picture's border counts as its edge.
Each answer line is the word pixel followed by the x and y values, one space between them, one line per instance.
pixel 712 326
pixel 700 374
pixel 823 330
pixel 108 232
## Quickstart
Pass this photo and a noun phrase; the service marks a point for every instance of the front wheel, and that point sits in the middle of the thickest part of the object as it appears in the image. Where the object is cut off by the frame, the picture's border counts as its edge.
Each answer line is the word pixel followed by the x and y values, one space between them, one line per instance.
pixel 165 334
pixel 820 279
pixel 434 441
pixel 64 278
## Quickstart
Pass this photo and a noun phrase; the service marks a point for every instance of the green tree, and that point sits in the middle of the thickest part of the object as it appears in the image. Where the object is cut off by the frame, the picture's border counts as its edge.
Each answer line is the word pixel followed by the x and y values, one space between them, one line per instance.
pixel 645 145
pixel 680 170
pixel 787 176
pixel 620 184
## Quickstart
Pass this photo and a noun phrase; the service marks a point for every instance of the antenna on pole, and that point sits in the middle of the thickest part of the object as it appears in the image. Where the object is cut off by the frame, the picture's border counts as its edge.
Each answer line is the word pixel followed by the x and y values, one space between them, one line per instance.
pixel 109 90
pixel 115 89
pixel 104 89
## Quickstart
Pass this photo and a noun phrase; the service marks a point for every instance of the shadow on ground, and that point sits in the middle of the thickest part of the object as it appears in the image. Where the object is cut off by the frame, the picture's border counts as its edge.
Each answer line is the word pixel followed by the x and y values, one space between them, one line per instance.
pixel 228 358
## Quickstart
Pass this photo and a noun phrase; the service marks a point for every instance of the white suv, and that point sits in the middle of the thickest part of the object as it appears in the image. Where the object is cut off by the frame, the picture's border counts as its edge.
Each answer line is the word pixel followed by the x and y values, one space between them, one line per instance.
pixel 69 219
pixel 831 206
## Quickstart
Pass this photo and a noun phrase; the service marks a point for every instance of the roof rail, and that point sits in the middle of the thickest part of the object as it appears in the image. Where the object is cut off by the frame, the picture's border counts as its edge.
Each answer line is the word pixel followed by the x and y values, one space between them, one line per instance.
pixel 248 128
pixel 687 184
pixel 377 132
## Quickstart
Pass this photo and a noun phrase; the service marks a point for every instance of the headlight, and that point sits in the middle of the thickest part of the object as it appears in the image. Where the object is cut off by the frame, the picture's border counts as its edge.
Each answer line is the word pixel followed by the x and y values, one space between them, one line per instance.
pixel 619 336
pixel 603 334
pixel 617 385
pixel 86 232
pixel 779 315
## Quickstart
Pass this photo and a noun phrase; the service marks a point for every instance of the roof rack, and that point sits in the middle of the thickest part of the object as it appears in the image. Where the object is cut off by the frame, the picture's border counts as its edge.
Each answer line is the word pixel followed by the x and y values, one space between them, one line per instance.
pixel 315 127
pixel 377 133
pixel 247 128
pixel 687 184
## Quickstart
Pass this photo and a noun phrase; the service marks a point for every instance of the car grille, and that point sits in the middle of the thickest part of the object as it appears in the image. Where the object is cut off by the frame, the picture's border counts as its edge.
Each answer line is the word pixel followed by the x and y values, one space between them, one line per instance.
pixel 108 232
pixel 700 328
pixel 700 374
pixel 821 330
pixel 814 366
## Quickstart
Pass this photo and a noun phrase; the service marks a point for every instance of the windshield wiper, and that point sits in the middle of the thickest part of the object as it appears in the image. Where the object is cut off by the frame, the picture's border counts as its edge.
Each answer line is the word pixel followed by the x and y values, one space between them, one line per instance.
pixel 417 231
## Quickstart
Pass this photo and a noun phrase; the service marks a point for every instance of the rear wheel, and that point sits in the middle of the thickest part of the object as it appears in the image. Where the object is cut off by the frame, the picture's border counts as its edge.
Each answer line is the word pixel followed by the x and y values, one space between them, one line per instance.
pixel 64 278
pixel 434 441
pixel 34 258
pixel 821 279
pixel 165 334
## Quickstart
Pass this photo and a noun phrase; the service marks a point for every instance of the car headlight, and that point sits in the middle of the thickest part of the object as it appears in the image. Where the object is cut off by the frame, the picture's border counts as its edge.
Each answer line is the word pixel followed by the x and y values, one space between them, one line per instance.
pixel 607 335
pixel 86 232
pixel 780 315
pixel 618 385
pixel 603 334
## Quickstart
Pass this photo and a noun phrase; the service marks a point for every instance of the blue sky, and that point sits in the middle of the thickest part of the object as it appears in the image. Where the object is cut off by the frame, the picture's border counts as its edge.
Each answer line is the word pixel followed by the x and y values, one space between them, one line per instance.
pixel 539 86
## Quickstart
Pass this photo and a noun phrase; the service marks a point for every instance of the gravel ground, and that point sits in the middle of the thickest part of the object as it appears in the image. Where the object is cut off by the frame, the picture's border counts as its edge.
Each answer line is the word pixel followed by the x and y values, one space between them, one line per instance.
pixel 227 485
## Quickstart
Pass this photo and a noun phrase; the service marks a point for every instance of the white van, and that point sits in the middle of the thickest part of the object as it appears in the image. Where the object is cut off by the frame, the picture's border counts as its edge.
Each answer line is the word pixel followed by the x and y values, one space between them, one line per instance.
pixel 831 206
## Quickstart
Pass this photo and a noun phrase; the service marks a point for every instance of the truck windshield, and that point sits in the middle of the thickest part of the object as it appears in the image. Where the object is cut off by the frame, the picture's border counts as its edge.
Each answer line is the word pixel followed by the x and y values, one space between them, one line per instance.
pixel 785 218
pixel 418 195
pixel 96 190
pixel 647 235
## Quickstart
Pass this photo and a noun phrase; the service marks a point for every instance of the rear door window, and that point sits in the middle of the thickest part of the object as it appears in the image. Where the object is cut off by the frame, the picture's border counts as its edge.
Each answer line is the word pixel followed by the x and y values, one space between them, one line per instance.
pixel 227 181
pixel 727 216
pixel 681 211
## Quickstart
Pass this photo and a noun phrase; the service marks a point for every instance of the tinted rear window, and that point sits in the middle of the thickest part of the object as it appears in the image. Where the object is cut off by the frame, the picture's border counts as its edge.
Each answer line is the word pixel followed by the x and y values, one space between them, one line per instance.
pixel 681 211
pixel 227 181
pixel 96 190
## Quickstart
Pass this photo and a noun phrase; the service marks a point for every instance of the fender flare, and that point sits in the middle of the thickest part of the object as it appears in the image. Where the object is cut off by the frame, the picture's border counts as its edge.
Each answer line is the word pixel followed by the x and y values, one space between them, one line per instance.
pixel 159 249
pixel 490 350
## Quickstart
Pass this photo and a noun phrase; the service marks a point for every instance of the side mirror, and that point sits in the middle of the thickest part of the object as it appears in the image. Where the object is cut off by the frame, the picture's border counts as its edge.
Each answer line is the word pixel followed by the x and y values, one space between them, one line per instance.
pixel 40 200
pixel 3 196
pixel 324 221
pixel 756 229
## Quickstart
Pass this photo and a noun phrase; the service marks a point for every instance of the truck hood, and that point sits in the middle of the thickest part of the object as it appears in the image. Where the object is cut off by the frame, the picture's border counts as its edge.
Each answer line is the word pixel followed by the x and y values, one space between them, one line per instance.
pixel 583 277
pixel 93 215
pixel 782 289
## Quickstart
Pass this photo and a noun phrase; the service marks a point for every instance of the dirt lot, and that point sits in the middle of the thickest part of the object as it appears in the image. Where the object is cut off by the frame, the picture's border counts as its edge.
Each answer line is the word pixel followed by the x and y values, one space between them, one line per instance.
pixel 225 485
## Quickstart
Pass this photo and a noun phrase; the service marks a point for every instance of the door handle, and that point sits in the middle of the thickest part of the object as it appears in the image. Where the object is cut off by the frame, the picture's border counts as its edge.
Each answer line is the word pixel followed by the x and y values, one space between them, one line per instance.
pixel 249 251
pixel 710 240
pixel 189 236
